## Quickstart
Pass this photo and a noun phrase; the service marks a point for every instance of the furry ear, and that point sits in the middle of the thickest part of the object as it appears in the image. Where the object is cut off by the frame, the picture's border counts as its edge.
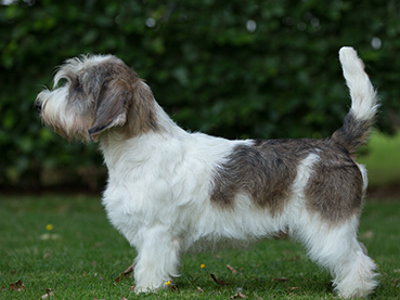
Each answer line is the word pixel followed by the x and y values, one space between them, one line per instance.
pixel 111 107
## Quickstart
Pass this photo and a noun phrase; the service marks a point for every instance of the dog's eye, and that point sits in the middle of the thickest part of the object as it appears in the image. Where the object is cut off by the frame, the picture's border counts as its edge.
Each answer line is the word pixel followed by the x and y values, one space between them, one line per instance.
pixel 61 82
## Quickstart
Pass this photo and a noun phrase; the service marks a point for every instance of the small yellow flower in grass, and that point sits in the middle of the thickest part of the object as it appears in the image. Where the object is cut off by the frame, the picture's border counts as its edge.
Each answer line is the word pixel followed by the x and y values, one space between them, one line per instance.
pixel 377 265
pixel 168 283
pixel 49 227
pixel 202 266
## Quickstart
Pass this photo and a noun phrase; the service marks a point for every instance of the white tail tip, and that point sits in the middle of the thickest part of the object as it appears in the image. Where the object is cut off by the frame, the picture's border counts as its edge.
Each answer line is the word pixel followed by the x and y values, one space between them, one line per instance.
pixel 364 101
pixel 350 61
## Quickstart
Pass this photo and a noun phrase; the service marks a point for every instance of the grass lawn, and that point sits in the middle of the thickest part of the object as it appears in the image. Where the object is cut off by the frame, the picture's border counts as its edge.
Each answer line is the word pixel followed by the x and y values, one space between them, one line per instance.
pixel 382 159
pixel 82 256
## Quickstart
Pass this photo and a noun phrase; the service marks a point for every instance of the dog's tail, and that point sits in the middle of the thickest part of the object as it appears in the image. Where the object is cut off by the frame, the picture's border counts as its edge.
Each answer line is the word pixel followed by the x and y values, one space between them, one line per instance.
pixel 364 102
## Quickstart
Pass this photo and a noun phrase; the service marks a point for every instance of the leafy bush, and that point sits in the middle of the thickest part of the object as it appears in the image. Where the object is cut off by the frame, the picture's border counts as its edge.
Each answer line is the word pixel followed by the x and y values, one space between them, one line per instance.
pixel 261 69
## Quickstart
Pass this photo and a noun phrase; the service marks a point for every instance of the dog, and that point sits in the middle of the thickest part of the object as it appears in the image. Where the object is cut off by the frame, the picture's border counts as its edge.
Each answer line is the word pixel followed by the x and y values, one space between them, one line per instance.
pixel 170 191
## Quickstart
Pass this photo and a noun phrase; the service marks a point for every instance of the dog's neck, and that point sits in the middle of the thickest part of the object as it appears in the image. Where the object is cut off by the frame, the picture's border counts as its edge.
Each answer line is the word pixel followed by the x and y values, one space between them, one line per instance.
pixel 116 146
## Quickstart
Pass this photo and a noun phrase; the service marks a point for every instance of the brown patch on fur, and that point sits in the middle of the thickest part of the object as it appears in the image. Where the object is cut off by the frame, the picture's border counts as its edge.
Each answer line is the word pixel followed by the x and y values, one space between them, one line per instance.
pixel 141 114
pixel 353 134
pixel 267 170
pixel 335 188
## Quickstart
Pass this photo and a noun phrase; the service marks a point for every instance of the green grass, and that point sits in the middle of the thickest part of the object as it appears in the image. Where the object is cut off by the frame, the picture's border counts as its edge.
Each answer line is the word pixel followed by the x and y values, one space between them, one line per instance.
pixel 382 159
pixel 86 255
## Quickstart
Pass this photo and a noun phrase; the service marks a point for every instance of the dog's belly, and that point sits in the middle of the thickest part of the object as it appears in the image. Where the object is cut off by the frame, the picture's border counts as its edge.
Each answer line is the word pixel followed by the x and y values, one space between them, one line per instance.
pixel 215 228
pixel 221 243
pixel 216 242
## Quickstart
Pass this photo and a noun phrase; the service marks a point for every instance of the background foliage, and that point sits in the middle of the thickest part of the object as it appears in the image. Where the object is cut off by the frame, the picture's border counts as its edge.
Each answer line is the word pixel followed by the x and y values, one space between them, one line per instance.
pixel 261 69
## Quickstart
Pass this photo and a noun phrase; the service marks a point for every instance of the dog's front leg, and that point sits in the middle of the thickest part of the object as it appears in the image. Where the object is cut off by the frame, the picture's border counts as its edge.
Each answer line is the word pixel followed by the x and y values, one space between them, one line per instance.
pixel 158 259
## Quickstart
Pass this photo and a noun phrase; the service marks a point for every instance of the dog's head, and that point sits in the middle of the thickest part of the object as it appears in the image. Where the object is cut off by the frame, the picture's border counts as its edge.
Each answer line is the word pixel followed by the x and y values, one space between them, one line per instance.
pixel 99 93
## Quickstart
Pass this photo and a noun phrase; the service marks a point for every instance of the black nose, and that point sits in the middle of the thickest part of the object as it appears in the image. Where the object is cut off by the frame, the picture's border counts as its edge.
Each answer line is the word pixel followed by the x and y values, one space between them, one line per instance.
pixel 39 106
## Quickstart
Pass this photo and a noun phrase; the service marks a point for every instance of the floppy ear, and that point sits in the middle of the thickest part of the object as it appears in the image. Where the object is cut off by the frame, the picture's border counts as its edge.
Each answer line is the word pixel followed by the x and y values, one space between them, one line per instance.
pixel 111 107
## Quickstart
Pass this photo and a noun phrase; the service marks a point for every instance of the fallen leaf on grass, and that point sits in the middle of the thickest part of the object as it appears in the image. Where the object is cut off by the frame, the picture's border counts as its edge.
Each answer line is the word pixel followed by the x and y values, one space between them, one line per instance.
pixel 49 293
pixel 238 295
pixel 282 279
pixel 173 288
pixel 18 286
pixel 232 269
pixel 200 290
pixel 221 282
pixel 125 273
pixel 131 288
pixel 293 289
pixel 123 298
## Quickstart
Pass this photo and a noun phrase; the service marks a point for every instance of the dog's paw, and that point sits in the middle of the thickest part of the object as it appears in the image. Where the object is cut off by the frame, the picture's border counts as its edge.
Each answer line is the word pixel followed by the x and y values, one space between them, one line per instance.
pixel 149 289
pixel 145 290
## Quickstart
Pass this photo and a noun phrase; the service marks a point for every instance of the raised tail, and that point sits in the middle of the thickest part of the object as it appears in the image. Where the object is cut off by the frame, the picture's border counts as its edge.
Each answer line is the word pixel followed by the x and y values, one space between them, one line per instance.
pixel 357 123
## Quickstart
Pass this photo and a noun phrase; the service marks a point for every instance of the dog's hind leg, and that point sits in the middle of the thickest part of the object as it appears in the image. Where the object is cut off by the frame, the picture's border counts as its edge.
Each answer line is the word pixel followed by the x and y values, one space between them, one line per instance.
pixel 335 247
pixel 157 260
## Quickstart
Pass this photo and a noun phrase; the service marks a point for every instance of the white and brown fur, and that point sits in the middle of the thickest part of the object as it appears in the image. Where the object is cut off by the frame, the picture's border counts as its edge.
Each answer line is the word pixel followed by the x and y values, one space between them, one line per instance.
pixel 170 191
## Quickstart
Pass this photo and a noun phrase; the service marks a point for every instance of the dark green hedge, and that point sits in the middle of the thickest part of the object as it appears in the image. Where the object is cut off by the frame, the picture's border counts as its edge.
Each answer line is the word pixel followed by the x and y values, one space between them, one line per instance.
pixel 234 68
